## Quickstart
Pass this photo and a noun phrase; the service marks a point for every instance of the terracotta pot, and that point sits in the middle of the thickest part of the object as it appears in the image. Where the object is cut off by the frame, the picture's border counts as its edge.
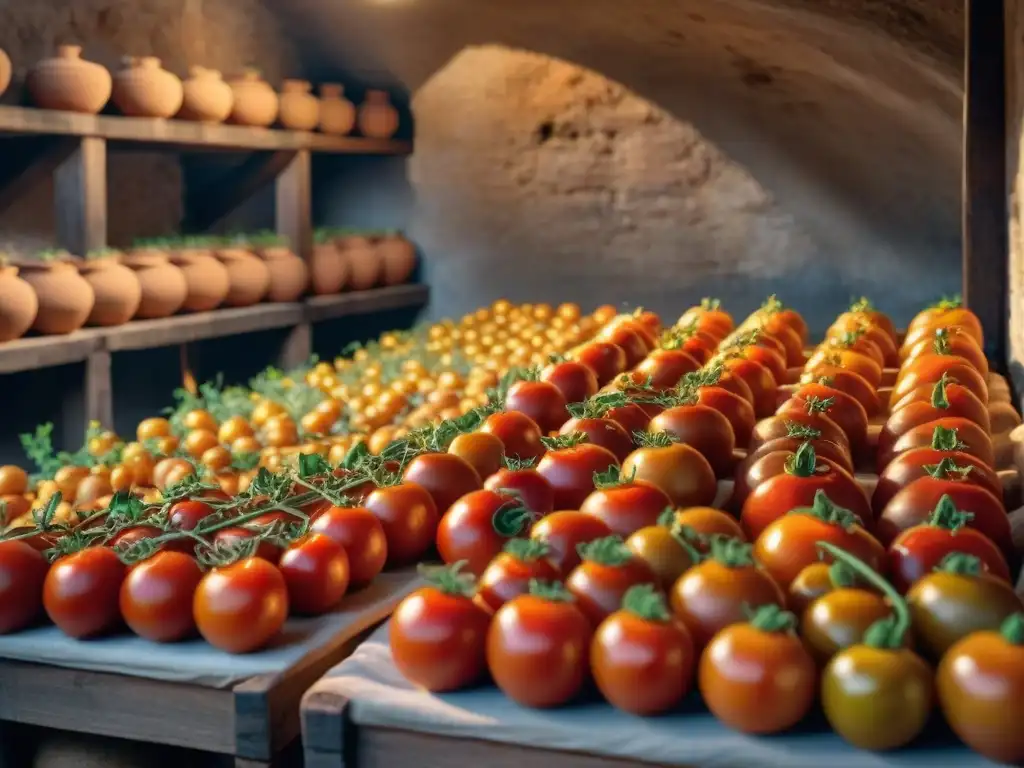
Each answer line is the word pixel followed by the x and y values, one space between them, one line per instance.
pixel 328 269
pixel 377 118
pixel 65 297
pixel 363 261
pixel 207 279
pixel 248 276
pixel 18 304
pixel 289 276
pixel 398 259
pixel 163 285
pixel 142 88
pixel 5 71
pixel 337 114
pixel 205 97
pixel 117 290
pixel 255 102
pixel 69 82
pixel 299 108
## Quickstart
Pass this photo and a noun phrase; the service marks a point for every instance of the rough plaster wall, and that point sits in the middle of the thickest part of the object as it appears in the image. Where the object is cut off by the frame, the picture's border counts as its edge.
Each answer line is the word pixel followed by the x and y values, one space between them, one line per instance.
pixel 144 189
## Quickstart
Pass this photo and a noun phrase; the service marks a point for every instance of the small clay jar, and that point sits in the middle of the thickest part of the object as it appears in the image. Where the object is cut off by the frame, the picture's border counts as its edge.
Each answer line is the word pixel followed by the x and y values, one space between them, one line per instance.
pixel 289 276
pixel 163 285
pixel 377 118
pixel 328 267
pixel 116 289
pixel 248 276
pixel 206 278
pixel 206 97
pixel 364 262
pixel 6 70
pixel 398 259
pixel 142 88
pixel 299 109
pixel 65 297
pixel 337 114
pixel 70 83
pixel 254 102
pixel 18 304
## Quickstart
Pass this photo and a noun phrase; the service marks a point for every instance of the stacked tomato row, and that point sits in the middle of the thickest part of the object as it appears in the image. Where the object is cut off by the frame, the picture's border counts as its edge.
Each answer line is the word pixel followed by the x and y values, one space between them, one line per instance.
pixel 595 553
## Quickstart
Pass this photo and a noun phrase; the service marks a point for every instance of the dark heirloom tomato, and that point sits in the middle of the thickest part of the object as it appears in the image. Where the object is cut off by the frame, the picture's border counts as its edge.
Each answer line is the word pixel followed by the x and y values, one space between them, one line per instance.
pixel 956 599
pixel 756 676
pixel 315 569
pixel 538 647
pixel 751 474
pixel 438 634
pixel 928 370
pixel 664 368
pixel 980 683
pixel 362 536
pixel 629 341
pixel 737 411
pixel 877 336
pixel 665 549
pixel 564 531
pixel 846 359
pixel 625 505
pixel 187 514
pixel 853 384
pixel 733 383
pixel 541 401
pixel 239 608
pixel 22 574
pixel 839 619
pixel 790 544
pixel 971 439
pixel 571 470
pixel 708 316
pixel 633 323
pixel 630 416
pixel 863 312
pixel 917 551
pixel 795 435
pixel 81 592
pixel 677 469
pixel 848 414
pixel 856 341
pixel 960 401
pixel 603 432
pixel 758 379
pixel 409 516
pixel 951 342
pixel 575 380
pixel 605 359
pixel 509 574
pixel 607 570
pixel 721 589
pixel 477 527
pixel 482 451
pixel 767 355
pixel 702 428
pixel 708 522
pixel 156 597
pixel 796 486
pixel 642 656
pixel 808 416
pixel 526 484
pixel 518 433
pixel 700 345
pixel 445 476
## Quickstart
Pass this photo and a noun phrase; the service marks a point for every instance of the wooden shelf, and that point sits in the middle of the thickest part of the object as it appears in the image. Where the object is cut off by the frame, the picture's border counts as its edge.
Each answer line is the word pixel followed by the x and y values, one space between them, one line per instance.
pixel 48 351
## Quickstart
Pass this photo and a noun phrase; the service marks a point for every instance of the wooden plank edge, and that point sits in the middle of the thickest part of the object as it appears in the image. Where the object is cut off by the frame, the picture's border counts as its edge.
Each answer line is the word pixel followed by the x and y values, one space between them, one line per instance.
pixel 324 723
pixel 321 308
pixel 34 352
pixel 217 323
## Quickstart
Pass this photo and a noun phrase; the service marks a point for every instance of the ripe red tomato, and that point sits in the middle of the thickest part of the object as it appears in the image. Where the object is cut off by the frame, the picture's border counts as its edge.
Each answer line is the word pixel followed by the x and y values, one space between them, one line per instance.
pixel 527 485
pixel 627 339
pixel 22 574
pixel 702 428
pixel 605 359
pixel 603 432
pixel 316 572
pixel 575 380
pixel 935 401
pixel 571 471
pixel 677 469
pixel 445 476
pixel 739 412
pixel 241 607
pixel 408 513
pixel 156 597
pixel 796 435
pixel 665 368
pixel 361 535
pixel 608 569
pixel 482 451
pixel 80 593
pixel 438 634
pixel 538 646
pixel 186 514
pixel 509 574
pixel 851 383
pixel 856 341
pixel 765 465
pixel 709 317
pixel 631 416
pixel 626 506
pixel 768 355
pixel 564 531
pixel 847 413
pixel 969 438
pixel 642 656
pixel 518 433
pixel 952 342
pixel 700 345
pixel 930 369
pixel 236 535
pixel 847 359
pixel 863 313
pixel 477 527
pixel 541 401
pixel 758 379
pixel 793 416
pixel 126 537
pixel 924 462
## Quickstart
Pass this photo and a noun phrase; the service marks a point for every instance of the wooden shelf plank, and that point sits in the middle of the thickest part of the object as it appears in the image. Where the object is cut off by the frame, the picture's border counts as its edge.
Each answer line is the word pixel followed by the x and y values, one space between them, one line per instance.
pixel 184 134
pixel 48 351
pixel 320 308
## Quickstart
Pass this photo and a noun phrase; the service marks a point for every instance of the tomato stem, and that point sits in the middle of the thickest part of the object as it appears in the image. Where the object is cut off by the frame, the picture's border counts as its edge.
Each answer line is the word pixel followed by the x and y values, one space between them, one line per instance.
pixel 802 431
pixel 939 397
pixel 710 304
pixel 516 464
pixel 816 405
pixel 610 551
pixel 553 591
pixel 960 563
pixel 645 602
pixel 509 521
pixel 527 550
pixel 863 304
pixel 1012 629
pixel 771 618
pixel 828 512
pixel 841 575
pixel 946 439
pixel 947 516
pixel 803 462
pixel 612 478
pixel 730 551
pixel 686 536
pixel 449 579
pixel 564 442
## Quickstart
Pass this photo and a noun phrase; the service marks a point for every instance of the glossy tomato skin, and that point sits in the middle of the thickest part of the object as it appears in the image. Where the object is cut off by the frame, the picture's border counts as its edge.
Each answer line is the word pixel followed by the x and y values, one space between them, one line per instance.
pixel 467 530
pixel 564 531
pixel 759 380
pixel 408 513
pixel 917 551
pixel 846 381
pixel 975 441
pixel 812 582
pixel 446 478
pixel 571 472
pixel 527 485
pixel 482 451
pixel 156 597
pixel 605 359
pixel 661 551
pixel 837 452
pixel 664 368
pixel 911 465
pixel 538 651
pixel 629 341
pixel 679 470
pixel 186 514
pixel 770 357
pixel 839 618
pixel 81 590
pixel 603 432
pixel 575 380
pixel 916 408
pixel 642 667
pixel 599 588
pixel 958 345
pixel 507 577
pixel 780 426
pixel 241 607
pixel 848 414
pixel 518 433
pixel 438 640
pixel 709 522
pixel 928 370
pixel 316 572
pixel 750 474
pixel 738 412
pixel 541 401
pixel 361 535
pixel 631 417
pixel 702 428
pixel 780 494
pixel 846 359
pixel 22 575
pixel 236 535
pixel 132 535
pixel 628 507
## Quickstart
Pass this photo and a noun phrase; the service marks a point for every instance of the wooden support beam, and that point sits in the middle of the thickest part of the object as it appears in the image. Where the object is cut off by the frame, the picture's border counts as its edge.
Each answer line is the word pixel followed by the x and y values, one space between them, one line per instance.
pixel 293 206
pixel 99 394
pixel 985 194
pixel 214 200
pixel 28 160
pixel 296 348
pixel 80 197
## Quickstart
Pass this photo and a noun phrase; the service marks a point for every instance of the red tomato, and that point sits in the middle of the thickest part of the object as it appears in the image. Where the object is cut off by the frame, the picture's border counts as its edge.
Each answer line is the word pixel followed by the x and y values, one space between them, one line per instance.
pixel 643 657
pixel 889 356
pixel 847 413
pixel 541 401
pixel 633 323
pixel 608 569
pixel 665 368
pixel 629 341
pixel 847 359
pixel 438 634
pixel 509 574
pixel 935 462
pixel 22 574
pixel 156 597
pixel 236 535
pixel 408 513
pixel 739 412
pixel 788 327
pixel 571 471
pixel 930 369
pixel 575 380
pixel 702 428
pixel 917 413
pixel 538 646
pixel 445 476
pixel 857 341
pixel 733 383
pixel 518 433
pixel 950 342
pixel 677 469
pixel 751 474
pixel 853 384
pixel 186 514
pixel 315 569
pixel 477 527
pixel 970 439
pixel 806 414
pixel 80 593
pixel 361 535
pixel 241 607
pixel 698 344
pixel 126 537
pixel 485 453
pixel 796 435
pixel 863 313
pixel 949 399
pixel 626 506
pixel 631 416
pixel 527 485
pixel 708 316
pixel 605 359
pixel 603 432
pixel 564 532
pixel 760 381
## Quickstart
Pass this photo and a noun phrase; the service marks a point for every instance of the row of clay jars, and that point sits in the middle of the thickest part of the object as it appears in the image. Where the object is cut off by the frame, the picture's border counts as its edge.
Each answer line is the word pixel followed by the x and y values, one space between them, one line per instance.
pixel 358 263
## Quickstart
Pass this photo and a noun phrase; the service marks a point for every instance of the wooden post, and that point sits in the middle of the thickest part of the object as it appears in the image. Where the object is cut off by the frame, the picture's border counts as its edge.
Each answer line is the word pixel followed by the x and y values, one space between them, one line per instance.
pixel 297 347
pixel 99 397
pixel 294 216
pixel 985 210
pixel 80 197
